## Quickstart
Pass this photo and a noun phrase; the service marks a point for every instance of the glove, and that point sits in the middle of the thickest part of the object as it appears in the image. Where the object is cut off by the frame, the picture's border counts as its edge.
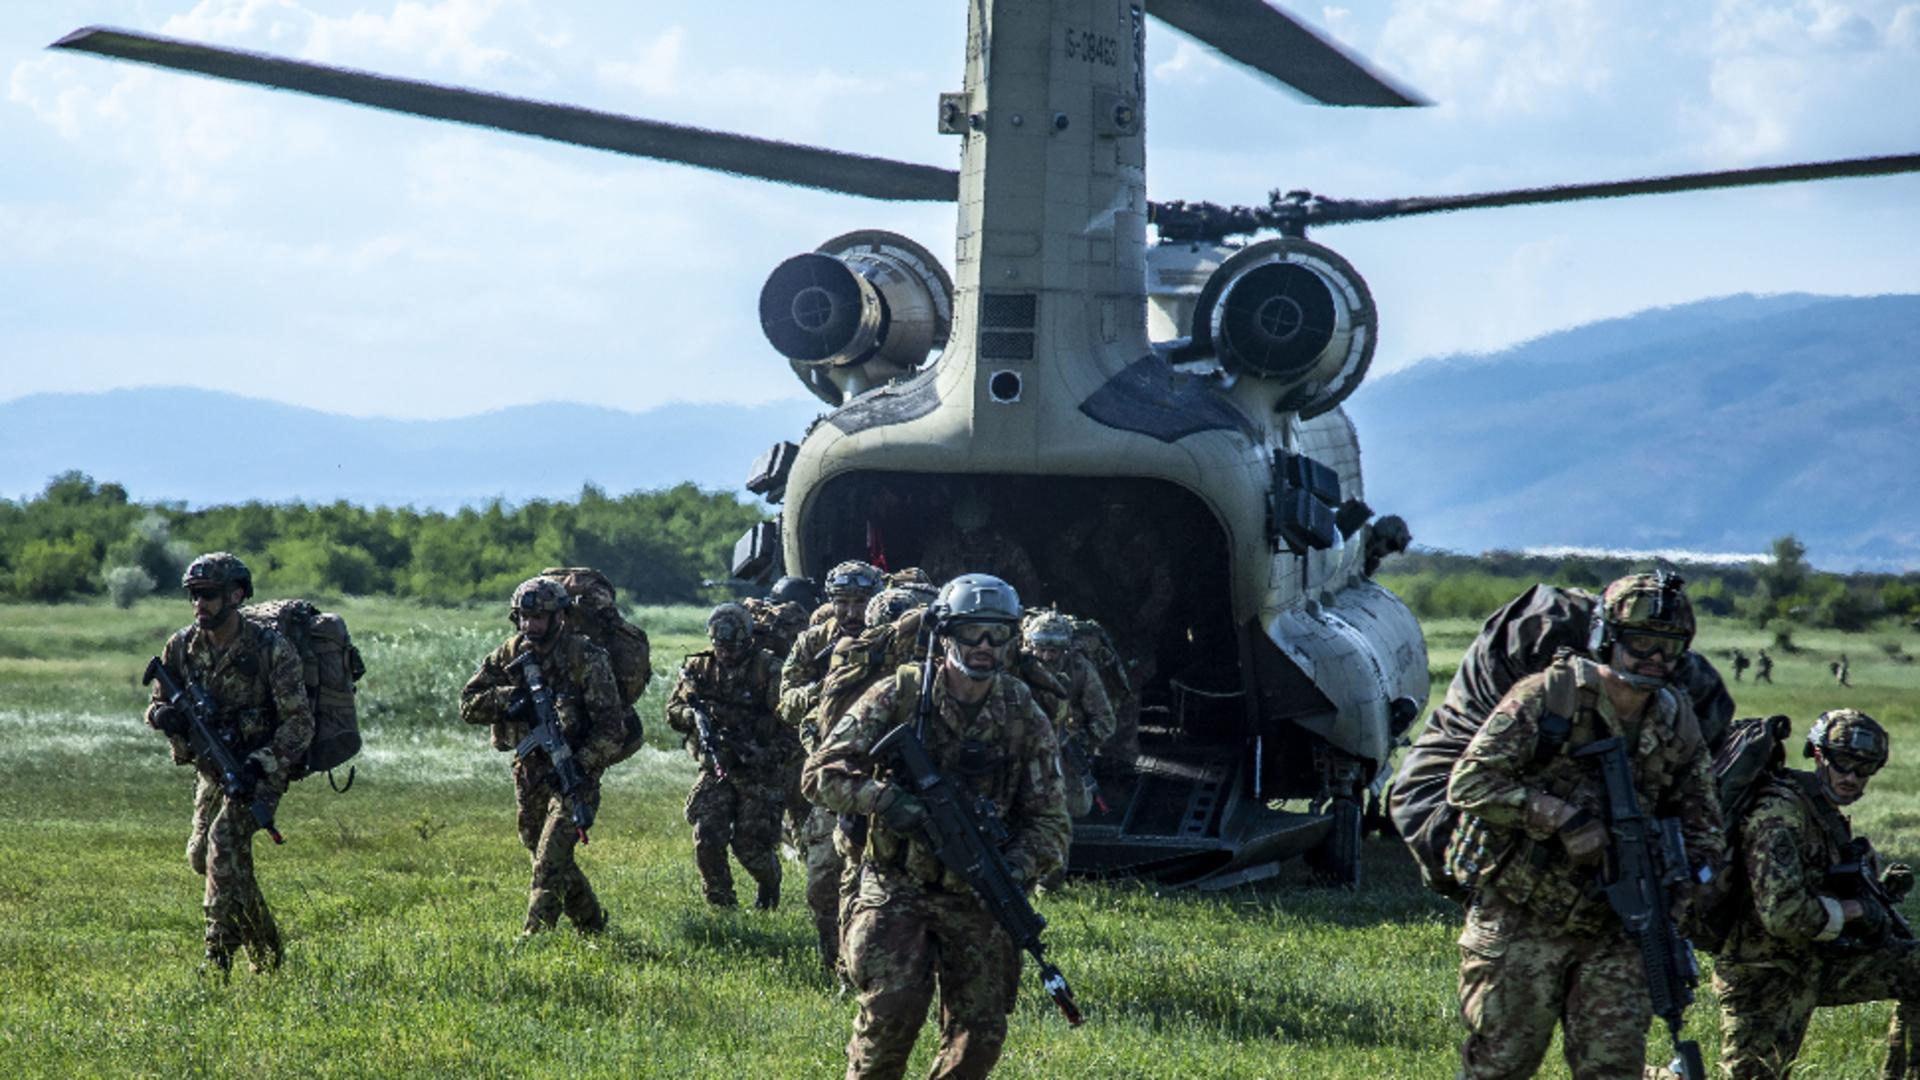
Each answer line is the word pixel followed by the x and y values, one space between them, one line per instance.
pixel 1897 879
pixel 519 704
pixel 1584 837
pixel 901 810
pixel 1545 813
pixel 170 720
pixel 1871 926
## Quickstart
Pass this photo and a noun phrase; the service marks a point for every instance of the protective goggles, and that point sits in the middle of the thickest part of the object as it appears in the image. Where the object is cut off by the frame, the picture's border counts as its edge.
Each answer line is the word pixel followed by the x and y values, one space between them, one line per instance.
pixel 205 592
pixel 1853 764
pixel 1645 646
pixel 971 635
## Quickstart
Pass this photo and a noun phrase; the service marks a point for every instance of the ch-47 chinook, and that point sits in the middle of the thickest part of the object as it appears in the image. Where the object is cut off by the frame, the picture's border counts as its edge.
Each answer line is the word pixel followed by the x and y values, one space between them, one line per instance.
pixel 1158 427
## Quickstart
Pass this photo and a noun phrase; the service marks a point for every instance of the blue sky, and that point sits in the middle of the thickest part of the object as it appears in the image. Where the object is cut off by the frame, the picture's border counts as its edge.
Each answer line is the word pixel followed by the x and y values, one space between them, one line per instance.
pixel 162 229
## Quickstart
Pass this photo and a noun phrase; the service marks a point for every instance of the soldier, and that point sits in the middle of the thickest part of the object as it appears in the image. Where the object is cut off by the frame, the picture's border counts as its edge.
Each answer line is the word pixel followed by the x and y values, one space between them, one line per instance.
pixel 976 543
pixel 591 714
pixel 775 624
pixel 1840 669
pixel 1086 719
pixel 742 784
pixel 1740 663
pixel 1540 946
pixel 1804 938
pixel 850 585
pixel 914 923
pixel 1763 668
pixel 253 675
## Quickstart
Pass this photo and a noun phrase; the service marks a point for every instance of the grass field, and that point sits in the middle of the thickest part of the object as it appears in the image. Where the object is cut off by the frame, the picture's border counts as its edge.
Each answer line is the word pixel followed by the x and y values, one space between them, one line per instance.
pixel 402 901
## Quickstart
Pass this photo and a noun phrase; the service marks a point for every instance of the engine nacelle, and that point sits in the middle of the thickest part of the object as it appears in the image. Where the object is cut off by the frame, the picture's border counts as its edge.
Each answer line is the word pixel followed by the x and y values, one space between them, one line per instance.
pixel 863 308
pixel 1293 315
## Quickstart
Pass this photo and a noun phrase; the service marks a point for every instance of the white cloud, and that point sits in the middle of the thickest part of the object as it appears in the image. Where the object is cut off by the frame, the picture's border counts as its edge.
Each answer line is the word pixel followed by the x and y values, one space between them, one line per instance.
pixel 655 71
pixel 1516 58
pixel 1191 63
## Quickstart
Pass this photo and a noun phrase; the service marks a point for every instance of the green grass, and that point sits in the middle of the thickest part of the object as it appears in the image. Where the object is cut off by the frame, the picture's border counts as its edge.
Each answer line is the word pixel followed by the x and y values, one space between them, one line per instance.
pixel 402 901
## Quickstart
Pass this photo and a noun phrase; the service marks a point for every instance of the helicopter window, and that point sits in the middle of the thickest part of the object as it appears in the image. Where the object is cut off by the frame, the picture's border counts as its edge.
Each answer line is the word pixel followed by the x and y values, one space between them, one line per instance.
pixel 1004 386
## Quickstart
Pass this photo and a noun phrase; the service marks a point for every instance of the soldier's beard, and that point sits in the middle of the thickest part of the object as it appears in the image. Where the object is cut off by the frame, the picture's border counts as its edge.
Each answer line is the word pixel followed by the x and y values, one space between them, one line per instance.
pixel 957 659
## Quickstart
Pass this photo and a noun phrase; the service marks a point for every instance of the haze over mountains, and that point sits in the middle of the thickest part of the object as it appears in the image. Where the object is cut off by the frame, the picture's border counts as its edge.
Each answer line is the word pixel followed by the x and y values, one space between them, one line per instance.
pixel 1713 426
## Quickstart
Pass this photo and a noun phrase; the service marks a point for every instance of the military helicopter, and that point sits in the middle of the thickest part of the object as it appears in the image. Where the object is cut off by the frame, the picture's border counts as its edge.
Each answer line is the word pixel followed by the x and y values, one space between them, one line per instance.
pixel 1156 429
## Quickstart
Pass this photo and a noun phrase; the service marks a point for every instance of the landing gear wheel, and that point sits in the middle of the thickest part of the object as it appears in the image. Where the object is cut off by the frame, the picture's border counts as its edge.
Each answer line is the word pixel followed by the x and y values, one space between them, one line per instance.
pixel 1336 862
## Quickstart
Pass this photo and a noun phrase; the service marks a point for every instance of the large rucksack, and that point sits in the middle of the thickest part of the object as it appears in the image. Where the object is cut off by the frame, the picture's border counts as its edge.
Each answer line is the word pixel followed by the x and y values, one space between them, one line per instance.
pixel 1754 753
pixel 596 614
pixel 330 666
pixel 1092 641
pixel 1516 641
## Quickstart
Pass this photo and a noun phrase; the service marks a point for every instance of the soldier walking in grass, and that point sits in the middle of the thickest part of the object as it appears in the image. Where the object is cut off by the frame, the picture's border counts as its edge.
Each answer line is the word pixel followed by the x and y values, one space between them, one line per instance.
pixel 1763 669
pixel 733 689
pixel 1740 663
pixel 254 679
pixel 1812 930
pixel 914 924
pixel 591 715
pixel 1541 946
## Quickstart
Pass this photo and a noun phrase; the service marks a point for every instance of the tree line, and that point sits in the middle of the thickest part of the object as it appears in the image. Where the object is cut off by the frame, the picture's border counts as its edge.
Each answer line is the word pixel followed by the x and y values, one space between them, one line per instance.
pixel 81 538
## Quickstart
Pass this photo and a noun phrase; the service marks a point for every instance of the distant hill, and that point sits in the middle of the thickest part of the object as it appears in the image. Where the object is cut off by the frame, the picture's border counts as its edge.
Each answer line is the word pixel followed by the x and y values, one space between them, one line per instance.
pixel 148 440
pixel 1711 426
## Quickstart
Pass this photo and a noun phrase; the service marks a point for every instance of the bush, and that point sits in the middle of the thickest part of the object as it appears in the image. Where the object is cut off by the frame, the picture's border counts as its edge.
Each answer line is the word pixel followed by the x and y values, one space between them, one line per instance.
pixel 54 569
pixel 126 584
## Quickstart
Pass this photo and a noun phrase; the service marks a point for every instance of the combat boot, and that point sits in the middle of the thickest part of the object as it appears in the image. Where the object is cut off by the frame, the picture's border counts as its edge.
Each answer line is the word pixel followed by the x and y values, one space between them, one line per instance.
pixel 768 896
pixel 217 962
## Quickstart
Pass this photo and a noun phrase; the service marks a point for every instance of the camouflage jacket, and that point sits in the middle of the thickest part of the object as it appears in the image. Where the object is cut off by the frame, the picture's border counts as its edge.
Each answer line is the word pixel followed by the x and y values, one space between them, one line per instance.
pixel 1089 712
pixel 1788 839
pixel 259 691
pixel 592 714
pixel 1049 690
pixel 802 676
pixel 983 551
pixel 1508 761
pixel 1005 751
pixel 775 626
pixel 858 663
pixel 742 703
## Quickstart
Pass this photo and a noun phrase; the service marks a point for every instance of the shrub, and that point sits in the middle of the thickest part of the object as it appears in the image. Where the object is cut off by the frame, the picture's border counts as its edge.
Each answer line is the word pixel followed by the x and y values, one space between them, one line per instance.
pixel 125 584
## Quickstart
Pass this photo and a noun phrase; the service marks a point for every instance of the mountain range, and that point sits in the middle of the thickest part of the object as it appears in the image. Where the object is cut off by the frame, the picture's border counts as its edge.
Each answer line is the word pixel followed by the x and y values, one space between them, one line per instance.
pixel 1711 426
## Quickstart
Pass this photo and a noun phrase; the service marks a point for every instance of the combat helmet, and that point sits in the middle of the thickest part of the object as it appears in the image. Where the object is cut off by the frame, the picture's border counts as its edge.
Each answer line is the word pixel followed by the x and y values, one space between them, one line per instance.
pixel 1849 739
pixel 1646 613
pixel 538 596
pixel 1047 629
pixel 909 575
pixel 795 590
pixel 730 628
pixel 221 570
pixel 890 603
pixel 853 578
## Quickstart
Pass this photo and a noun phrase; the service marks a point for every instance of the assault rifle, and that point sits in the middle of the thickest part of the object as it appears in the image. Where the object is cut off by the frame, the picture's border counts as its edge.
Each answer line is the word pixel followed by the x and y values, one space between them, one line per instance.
pixel 1857 877
pixel 966 837
pixel 193 701
pixel 547 736
pixel 1646 864
pixel 1077 759
pixel 706 741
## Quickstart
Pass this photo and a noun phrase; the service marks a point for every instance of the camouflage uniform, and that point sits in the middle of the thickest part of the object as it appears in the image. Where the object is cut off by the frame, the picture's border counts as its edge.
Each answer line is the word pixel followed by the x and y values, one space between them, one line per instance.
pixel 592 719
pixel 743 809
pixel 802 681
pixel 1777 965
pixel 775 625
pixel 1538 947
pixel 1077 703
pixel 960 551
pixel 912 922
pixel 260 693
pixel 1763 668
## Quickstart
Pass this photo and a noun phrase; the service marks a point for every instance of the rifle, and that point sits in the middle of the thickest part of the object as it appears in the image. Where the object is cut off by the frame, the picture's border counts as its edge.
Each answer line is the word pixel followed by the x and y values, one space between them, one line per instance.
pixel 1076 754
pixel 966 838
pixel 546 735
pixel 706 741
pixel 1857 877
pixel 193 700
pixel 1647 862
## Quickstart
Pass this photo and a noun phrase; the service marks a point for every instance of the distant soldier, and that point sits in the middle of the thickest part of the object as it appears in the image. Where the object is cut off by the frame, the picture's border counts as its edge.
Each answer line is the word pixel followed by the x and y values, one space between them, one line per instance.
pixel 1840 669
pixel 850 585
pixel 915 924
pixel 976 545
pixel 1740 663
pixel 1763 668
pixel 1086 719
pixel 261 713
pixel 1542 946
pixel 1815 930
pixel 910 576
pixel 592 720
pixel 734 690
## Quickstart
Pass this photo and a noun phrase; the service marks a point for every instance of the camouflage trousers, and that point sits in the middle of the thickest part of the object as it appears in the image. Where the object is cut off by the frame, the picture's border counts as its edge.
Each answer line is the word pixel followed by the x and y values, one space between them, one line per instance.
pixel 236 912
pixel 546 828
pixel 825 867
pixel 796 807
pixel 903 940
pixel 1765 1008
pixel 743 814
pixel 1518 978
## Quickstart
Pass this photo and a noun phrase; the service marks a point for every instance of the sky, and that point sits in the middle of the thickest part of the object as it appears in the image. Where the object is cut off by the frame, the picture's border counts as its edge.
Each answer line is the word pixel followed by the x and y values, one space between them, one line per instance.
pixel 162 229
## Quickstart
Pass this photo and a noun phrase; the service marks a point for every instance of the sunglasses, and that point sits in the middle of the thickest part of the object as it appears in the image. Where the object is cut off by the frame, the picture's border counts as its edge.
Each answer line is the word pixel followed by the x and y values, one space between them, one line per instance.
pixel 1647 646
pixel 204 593
pixel 992 634
pixel 1852 766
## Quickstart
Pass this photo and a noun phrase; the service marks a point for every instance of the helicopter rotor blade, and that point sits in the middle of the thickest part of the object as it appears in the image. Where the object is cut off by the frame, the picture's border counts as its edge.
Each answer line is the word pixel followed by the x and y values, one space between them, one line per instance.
pixel 741 155
pixel 1340 211
pixel 1273 43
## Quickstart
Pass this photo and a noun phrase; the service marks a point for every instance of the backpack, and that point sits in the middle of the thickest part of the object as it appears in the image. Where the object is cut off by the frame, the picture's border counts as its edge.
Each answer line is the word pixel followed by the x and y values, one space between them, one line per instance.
pixel 1754 753
pixel 596 615
pixel 1092 641
pixel 331 665
pixel 1516 641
